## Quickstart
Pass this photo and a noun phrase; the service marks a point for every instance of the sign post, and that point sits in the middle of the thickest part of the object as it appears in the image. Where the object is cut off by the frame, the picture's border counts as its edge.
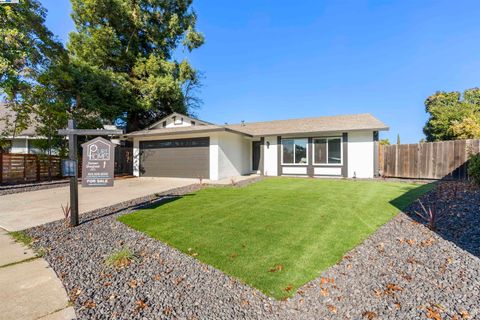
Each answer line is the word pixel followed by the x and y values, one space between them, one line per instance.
pixel 72 155
pixel 102 166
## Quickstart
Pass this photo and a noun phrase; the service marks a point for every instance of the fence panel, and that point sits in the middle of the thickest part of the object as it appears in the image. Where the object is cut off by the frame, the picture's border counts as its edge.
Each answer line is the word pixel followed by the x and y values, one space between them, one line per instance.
pixel 22 168
pixel 432 160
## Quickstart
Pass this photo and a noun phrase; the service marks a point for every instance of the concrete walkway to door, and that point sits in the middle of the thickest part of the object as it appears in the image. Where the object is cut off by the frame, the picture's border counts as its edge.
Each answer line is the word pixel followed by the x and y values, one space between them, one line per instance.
pixel 25 210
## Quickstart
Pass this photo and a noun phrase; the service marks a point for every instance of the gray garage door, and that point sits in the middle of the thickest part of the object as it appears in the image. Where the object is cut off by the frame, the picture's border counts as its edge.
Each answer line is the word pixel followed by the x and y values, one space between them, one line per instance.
pixel 182 158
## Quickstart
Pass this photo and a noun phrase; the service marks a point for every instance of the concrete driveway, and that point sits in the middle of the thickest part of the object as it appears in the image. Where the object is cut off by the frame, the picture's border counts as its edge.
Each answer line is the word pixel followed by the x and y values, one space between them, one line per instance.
pixel 25 210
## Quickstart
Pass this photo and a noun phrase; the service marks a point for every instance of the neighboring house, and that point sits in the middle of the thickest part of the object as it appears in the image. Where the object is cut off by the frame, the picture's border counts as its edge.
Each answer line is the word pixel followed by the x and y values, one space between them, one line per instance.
pixel 180 146
pixel 22 142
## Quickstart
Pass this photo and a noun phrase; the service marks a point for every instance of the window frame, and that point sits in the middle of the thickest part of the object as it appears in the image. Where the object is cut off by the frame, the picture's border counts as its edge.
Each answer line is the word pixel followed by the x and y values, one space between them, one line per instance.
pixel 295 164
pixel 328 164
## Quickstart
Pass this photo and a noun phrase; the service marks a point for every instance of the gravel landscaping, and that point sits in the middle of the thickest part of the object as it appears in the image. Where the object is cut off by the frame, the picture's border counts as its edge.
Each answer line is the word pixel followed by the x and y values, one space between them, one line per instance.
pixel 403 271
pixel 26 187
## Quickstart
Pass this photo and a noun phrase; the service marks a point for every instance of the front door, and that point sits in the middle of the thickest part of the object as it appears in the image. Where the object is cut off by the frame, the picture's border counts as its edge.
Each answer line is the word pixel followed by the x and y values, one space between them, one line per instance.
pixel 256 155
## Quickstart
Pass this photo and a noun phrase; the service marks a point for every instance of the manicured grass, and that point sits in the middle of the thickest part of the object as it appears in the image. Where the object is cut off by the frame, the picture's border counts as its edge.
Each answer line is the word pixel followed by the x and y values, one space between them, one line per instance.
pixel 279 233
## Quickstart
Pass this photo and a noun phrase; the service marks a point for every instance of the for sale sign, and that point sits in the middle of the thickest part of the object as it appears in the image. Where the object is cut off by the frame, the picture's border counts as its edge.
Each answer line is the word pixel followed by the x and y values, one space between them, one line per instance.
pixel 98 163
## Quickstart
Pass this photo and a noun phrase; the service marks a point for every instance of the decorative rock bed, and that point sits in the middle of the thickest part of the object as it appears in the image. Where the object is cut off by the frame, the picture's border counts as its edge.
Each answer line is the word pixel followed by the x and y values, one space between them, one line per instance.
pixel 403 271
pixel 19 188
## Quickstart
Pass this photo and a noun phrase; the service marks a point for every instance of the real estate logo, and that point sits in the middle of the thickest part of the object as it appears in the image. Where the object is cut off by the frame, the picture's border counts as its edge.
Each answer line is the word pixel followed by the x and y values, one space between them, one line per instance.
pixel 100 151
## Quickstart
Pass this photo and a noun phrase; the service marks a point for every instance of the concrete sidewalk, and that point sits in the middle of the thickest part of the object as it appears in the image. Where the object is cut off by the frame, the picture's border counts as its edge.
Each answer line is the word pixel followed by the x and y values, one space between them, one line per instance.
pixel 29 288
pixel 29 209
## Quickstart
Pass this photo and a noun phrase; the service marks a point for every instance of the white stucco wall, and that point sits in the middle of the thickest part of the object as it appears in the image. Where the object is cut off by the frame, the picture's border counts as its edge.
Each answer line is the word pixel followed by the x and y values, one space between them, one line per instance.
pixel 233 155
pixel 181 122
pixel 360 154
pixel 270 167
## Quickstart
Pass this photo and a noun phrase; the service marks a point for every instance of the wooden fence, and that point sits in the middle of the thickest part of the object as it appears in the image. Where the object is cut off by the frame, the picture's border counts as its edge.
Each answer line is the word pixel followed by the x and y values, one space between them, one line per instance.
pixel 431 160
pixel 26 168
pixel 22 168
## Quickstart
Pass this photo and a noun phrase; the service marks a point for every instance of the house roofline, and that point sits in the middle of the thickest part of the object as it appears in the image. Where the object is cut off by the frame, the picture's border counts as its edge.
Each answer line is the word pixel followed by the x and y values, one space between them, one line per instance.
pixel 175 114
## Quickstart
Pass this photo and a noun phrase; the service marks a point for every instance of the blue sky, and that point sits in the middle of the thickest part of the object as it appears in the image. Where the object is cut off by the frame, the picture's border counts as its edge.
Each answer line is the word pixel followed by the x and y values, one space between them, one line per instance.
pixel 266 60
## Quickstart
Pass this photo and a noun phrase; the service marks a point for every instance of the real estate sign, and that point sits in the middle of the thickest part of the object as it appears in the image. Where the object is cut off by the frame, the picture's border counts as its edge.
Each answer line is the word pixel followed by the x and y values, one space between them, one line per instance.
pixel 98 163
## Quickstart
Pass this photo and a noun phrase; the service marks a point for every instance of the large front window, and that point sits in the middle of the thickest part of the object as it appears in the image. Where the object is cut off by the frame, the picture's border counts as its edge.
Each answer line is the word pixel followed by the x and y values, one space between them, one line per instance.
pixel 327 150
pixel 294 151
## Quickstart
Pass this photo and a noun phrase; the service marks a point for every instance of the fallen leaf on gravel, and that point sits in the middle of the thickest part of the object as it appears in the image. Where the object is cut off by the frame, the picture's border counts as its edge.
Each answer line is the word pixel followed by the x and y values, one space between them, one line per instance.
pixel 369 315
pixel 324 292
pixel 411 260
pixel 407 277
pixel 427 243
pixel 112 297
pixel 89 304
pixel 381 247
pixel 244 302
pixel 140 305
pixel 133 283
pixel 278 267
pixel 157 277
pixel 167 311
pixel 107 284
pixel 465 314
pixel 433 314
pixel 300 292
pixel 397 305
pixel 73 294
pixel 179 280
pixel 332 308
pixel 391 288
pixel 377 292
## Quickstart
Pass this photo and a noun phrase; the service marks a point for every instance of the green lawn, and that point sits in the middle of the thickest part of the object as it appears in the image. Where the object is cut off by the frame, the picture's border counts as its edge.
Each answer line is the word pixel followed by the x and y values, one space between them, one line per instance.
pixel 279 233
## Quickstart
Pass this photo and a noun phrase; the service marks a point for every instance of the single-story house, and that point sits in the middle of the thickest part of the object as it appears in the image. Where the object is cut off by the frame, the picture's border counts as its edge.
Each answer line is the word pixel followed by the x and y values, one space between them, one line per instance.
pixel 334 146
pixel 22 142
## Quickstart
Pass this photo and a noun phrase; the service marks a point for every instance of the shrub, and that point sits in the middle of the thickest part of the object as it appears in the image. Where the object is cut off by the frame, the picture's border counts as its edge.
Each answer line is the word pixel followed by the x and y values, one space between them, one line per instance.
pixel 430 215
pixel 474 168
pixel 120 259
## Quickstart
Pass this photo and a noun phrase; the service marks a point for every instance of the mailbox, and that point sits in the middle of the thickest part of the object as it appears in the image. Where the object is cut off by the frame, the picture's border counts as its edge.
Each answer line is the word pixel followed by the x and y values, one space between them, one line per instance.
pixel 69 168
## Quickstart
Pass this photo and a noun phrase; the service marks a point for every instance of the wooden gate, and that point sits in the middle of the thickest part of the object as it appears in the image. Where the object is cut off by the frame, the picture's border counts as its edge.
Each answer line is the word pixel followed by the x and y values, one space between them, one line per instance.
pixel 431 160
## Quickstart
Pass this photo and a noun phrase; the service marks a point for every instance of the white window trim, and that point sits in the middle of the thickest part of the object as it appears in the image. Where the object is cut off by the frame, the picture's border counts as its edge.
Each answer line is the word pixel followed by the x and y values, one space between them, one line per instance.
pixel 328 164
pixel 294 164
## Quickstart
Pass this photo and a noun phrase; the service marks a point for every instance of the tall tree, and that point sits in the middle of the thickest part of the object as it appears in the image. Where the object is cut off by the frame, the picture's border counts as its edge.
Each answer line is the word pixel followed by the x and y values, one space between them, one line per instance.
pixel 27 49
pixel 129 45
pixel 452 115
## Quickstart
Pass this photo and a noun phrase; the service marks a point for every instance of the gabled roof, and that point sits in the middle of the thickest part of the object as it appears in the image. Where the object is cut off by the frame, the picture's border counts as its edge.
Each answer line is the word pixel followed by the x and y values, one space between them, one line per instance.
pixel 177 130
pixel 7 115
pixel 311 125
pixel 159 122
pixel 316 125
